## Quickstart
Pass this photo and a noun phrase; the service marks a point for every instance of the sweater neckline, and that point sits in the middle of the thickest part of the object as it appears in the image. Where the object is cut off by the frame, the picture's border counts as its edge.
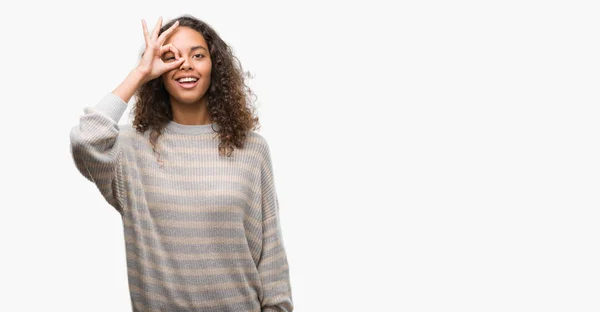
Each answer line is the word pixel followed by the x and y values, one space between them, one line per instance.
pixel 192 129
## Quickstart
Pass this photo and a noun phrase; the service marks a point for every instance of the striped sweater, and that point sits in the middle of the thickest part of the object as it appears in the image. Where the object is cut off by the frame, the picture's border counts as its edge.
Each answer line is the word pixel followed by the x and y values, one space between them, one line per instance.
pixel 202 231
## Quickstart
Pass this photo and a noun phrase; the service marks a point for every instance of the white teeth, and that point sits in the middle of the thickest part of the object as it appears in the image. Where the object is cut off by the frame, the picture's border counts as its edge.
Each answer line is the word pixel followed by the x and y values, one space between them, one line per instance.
pixel 188 79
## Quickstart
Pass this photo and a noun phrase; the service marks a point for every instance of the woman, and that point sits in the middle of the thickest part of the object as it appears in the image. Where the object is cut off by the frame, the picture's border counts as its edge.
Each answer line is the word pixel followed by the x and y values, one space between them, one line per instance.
pixel 191 179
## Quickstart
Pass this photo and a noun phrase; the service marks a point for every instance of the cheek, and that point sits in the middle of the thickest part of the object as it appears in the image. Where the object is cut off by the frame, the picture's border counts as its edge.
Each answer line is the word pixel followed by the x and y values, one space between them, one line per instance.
pixel 205 68
pixel 206 75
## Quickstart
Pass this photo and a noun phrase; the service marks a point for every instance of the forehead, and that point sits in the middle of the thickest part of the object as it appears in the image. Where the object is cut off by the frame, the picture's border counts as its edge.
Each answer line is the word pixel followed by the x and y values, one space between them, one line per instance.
pixel 183 38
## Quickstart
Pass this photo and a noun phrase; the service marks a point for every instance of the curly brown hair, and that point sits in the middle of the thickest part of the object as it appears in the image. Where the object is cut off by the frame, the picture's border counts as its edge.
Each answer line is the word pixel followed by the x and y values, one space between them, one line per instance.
pixel 229 98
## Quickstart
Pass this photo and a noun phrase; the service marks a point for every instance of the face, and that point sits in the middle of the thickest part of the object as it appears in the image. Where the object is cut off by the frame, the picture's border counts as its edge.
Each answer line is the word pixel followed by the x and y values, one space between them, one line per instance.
pixel 188 83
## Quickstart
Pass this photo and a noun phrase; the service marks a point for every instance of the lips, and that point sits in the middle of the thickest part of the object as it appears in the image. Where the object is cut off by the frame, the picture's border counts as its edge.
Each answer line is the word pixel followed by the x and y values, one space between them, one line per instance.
pixel 187 82
pixel 187 85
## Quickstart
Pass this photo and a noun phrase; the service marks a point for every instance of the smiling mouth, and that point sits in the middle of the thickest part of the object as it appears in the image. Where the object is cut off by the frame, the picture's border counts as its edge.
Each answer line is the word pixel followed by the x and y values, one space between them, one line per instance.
pixel 187 82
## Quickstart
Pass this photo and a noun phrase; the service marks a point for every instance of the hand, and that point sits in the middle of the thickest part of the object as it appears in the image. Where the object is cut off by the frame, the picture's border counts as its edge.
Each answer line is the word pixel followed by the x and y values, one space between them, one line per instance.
pixel 152 66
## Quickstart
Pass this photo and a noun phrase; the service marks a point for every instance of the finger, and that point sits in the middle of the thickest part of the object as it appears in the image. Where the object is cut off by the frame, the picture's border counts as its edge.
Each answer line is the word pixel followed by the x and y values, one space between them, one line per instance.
pixel 146 35
pixel 167 33
pixel 169 47
pixel 175 64
pixel 157 28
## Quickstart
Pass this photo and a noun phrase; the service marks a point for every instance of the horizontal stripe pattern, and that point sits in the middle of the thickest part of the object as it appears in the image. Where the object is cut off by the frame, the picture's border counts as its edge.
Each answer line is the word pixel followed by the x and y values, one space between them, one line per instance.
pixel 201 230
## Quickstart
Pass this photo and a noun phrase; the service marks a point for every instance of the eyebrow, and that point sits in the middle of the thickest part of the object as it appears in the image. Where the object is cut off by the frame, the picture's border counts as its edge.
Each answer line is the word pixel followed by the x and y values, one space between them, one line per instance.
pixel 198 47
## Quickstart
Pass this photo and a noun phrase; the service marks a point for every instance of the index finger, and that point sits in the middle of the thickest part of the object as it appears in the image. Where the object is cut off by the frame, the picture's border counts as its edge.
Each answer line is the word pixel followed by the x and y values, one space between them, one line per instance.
pixel 167 33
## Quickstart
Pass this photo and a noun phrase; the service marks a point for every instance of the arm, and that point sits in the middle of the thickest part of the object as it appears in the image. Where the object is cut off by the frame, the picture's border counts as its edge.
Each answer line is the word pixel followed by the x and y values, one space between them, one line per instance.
pixel 273 265
pixel 94 142
pixel 95 148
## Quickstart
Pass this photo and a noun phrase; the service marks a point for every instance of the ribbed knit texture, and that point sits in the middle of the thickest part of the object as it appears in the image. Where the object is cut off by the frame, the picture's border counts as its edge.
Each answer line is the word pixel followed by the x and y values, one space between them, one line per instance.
pixel 202 231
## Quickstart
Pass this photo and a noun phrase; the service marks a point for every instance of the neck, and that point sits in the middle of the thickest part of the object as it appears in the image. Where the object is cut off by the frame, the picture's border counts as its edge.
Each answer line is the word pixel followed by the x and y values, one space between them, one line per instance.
pixel 190 114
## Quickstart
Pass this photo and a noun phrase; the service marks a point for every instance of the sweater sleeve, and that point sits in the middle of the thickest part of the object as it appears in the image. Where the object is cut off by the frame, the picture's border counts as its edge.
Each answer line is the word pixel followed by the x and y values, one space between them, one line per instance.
pixel 273 265
pixel 95 148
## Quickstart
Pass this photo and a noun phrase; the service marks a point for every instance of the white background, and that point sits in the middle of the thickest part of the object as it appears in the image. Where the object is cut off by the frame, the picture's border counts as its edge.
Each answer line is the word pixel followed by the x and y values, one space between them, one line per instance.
pixel 432 156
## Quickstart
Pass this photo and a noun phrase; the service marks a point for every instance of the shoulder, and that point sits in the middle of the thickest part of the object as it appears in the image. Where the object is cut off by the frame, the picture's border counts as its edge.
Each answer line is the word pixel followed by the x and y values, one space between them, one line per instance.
pixel 126 130
pixel 258 142
pixel 129 136
pixel 259 146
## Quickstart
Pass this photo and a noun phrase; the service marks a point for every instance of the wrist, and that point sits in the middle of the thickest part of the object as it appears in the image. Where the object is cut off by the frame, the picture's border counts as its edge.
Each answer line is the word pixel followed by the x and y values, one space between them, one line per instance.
pixel 129 86
pixel 139 76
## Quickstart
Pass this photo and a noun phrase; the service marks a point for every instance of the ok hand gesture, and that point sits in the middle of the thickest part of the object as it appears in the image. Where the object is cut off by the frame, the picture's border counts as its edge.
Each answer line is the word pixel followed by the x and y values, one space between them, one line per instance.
pixel 152 66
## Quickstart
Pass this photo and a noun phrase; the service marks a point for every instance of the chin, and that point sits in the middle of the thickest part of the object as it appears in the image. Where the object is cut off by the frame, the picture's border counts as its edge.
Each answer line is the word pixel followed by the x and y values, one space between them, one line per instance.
pixel 189 100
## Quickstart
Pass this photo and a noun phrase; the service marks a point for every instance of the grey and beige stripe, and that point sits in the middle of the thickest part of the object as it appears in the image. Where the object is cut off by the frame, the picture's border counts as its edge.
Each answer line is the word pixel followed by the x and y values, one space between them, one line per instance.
pixel 202 231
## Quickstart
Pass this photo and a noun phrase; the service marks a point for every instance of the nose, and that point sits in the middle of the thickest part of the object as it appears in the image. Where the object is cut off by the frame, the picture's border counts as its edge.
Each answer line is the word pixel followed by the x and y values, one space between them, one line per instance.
pixel 186 64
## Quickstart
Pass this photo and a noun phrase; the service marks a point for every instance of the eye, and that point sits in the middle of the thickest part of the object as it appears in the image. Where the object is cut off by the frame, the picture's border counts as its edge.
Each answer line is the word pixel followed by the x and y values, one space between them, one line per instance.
pixel 198 56
pixel 168 58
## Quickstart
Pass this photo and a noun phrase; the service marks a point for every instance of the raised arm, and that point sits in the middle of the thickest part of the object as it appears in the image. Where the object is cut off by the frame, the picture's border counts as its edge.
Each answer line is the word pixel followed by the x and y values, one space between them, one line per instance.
pixel 95 147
